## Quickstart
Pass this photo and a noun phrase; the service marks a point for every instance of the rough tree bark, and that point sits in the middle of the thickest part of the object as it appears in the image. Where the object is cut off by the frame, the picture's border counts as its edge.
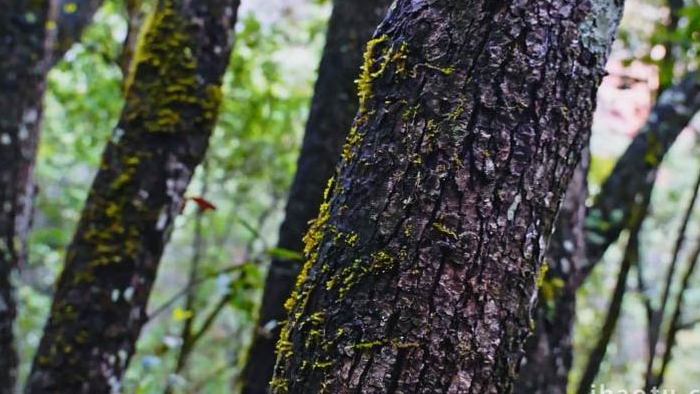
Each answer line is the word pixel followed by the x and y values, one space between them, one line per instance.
pixel 172 99
pixel 423 262
pixel 632 180
pixel 34 35
pixel 333 108
pixel 549 351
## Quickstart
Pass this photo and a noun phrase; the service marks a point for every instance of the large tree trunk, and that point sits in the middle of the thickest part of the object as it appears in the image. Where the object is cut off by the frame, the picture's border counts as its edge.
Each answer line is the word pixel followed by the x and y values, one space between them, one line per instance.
pixel 28 50
pixel 332 110
pixel 549 351
pixel 172 101
pixel 423 262
pixel 631 181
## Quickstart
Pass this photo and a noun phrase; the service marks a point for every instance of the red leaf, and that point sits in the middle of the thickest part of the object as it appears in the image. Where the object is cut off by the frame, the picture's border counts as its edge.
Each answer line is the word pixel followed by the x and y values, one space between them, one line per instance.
pixel 203 204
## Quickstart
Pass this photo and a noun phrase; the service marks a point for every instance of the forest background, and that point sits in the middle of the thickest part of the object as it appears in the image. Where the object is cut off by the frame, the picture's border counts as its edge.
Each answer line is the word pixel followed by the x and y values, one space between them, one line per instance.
pixel 248 171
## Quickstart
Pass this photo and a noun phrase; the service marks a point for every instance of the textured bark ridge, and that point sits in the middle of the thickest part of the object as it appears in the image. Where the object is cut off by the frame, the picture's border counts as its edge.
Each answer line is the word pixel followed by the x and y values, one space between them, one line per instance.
pixel 35 34
pixel 424 260
pixel 172 100
pixel 549 351
pixel 332 111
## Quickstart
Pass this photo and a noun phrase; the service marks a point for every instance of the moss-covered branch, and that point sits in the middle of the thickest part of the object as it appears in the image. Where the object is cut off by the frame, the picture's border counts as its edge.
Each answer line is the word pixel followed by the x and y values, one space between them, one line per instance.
pixel 333 108
pixel 425 257
pixel 172 100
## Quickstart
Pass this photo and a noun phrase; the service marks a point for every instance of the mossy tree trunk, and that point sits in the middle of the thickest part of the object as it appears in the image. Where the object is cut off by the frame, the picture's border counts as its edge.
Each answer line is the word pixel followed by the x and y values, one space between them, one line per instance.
pixel 630 183
pixel 332 111
pixel 34 35
pixel 172 99
pixel 423 263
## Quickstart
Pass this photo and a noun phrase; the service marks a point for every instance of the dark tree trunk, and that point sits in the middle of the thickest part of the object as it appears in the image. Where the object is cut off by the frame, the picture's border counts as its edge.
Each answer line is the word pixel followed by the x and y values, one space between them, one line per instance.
pixel 423 262
pixel 171 105
pixel 28 50
pixel 549 351
pixel 24 45
pixel 332 110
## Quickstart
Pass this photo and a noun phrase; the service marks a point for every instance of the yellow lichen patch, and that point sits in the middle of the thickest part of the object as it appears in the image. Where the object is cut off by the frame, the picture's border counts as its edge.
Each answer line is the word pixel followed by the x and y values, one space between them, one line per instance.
pixel 368 75
pixel 445 230
pixel 353 140
pixel 542 274
pixel 163 82
pixel 374 66
pixel 551 288
pixel 399 58
pixel 312 242
pixel 652 156
pixel 368 345
pixel 444 70
pixel 279 385
pixel 382 262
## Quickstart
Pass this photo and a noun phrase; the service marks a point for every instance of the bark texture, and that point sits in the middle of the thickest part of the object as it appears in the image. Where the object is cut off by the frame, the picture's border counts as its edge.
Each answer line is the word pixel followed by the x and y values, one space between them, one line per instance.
pixel 424 260
pixel 34 35
pixel 549 351
pixel 332 111
pixel 172 99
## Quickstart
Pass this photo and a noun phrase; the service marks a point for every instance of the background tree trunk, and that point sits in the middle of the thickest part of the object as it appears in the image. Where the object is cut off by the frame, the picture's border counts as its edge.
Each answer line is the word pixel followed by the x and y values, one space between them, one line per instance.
pixel 28 50
pixel 22 73
pixel 635 172
pixel 171 105
pixel 549 351
pixel 423 262
pixel 332 110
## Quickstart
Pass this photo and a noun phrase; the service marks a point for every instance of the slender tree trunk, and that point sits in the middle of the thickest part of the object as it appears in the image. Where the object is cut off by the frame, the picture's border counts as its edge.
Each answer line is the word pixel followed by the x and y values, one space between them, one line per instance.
pixel 549 351
pixel 675 324
pixel 630 258
pixel 658 315
pixel 23 49
pixel 634 175
pixel 172 101
pixel 423 262
pixel 27 51
pixel 332 110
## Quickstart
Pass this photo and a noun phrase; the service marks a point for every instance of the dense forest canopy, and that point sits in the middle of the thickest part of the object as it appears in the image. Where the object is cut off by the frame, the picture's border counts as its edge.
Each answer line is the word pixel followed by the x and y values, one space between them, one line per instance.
pixel 435 120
